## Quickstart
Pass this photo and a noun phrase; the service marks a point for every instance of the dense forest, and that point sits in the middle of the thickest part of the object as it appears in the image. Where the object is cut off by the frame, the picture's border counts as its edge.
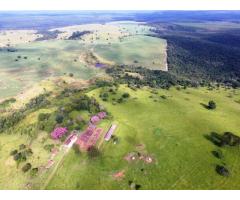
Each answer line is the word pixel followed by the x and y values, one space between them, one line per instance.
pixel 200 54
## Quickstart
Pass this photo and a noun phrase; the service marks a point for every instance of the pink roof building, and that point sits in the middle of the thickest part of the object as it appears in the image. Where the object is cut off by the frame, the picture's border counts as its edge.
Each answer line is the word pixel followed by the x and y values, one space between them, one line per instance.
pixel 58 132
pixel 71 139
pixel 111 130
pixel 102 115
pixel 95 119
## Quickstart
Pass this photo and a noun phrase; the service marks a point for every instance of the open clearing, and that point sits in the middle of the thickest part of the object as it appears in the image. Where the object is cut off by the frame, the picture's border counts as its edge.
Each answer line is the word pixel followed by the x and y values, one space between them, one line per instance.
pixel 37 61
pixel 28 62
pixel 172 131
pixel 14 37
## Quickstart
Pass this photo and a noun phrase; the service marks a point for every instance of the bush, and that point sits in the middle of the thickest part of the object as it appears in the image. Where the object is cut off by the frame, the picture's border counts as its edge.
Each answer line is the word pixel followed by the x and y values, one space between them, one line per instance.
pixel 163 97
pixel 19 157
pixel 22 146
pixel 230 139
pixel 120 100
pixel 218 154
pixel 27 152
pixel 221 170
pixel 34 171
pixel 105 95
pixel 14 152
pixel 49 147
pixel 59 118
pixel 125 95
pixel 43 116
pixel 26 167
pixel 211 105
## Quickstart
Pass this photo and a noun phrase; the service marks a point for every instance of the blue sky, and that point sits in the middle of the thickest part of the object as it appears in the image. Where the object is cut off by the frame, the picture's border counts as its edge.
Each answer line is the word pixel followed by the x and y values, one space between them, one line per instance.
pixel 119 4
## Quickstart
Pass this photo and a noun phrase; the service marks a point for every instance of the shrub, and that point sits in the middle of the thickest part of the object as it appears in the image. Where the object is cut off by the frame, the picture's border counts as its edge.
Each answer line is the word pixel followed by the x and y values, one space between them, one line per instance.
pixel 59 118
pixel 163 97
pixel 14 152
pixel 28 152
pixel 211 105
pixel 230 139
pixel 26 167
pixel 218 154
pixel 125 95
pixel 221 170
pixel 43 116
pixel 120 100
pixel 19 157
pixel 34 171
pixel 22 146
pixel 48 147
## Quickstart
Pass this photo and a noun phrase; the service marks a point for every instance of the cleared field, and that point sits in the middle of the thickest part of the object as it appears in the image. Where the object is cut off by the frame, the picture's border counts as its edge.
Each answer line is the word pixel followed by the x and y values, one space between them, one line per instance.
pixel 136 50
pixel 104 33
pixel 122 43
pixel 14 37
pixel 108 44
pixel 170 127
pixel 33 62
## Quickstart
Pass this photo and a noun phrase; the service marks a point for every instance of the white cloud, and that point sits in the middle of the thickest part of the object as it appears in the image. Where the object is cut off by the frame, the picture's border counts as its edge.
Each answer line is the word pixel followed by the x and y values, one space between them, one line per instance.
pixel 119 5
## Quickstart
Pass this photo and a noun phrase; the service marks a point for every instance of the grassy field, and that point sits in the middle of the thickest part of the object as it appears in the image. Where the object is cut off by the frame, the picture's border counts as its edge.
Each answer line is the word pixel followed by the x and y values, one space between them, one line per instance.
pixel 12 176
pixel 136 50
pixel 111 43
pixel 43 59
pixel 123 43
pixel 171 127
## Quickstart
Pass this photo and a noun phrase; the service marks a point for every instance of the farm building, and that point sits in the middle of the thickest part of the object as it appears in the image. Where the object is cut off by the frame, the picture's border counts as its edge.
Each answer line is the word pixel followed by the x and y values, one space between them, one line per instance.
pixel 71 139
pixel 89 137
pixel 110 131
pixel 96 118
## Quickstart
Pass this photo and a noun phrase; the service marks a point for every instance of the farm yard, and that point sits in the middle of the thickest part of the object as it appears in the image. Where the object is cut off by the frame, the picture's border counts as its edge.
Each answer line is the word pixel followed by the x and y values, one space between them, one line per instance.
pixel 164 136
pixel 120 105
pixel 125 148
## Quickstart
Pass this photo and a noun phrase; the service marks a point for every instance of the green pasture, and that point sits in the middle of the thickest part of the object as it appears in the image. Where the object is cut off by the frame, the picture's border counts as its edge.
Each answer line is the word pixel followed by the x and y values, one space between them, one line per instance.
pixel 11 174
pixel 172 125
pixel 137 50
pixel 44 59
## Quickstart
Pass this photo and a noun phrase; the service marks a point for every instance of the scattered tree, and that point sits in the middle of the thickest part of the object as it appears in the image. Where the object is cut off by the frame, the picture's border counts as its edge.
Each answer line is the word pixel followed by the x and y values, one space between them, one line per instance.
pixel 221 170
pixel 26 167
pixel 211 105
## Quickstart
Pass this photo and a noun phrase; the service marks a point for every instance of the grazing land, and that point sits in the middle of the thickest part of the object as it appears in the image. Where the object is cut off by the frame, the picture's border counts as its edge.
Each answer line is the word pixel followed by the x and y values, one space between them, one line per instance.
pixel 109 44
pixel 172 131
pixel 125 100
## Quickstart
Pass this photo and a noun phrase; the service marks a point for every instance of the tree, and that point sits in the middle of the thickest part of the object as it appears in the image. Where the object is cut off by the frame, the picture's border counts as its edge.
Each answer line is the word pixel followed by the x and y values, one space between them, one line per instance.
pixel 22 146
pixel 125 95
pixel 43 116
pixel 34 171
pixel 221 170
pixel 59 118
pixel 211 105
pixel 14 152
pixel 26 167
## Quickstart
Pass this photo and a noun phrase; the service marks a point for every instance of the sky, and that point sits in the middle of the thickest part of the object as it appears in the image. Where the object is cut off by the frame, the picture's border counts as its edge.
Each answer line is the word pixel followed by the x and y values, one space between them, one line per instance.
pixel 119 4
